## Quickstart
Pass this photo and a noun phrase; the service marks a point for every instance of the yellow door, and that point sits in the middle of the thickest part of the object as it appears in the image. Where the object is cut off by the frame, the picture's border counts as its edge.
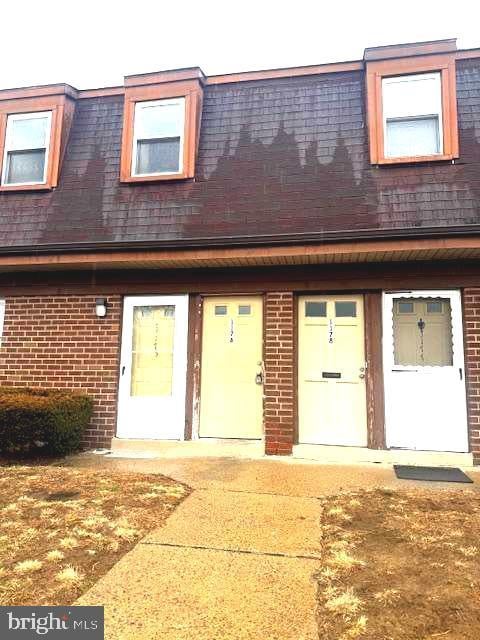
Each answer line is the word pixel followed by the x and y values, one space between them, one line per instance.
pixel 231 400
pixel 331 371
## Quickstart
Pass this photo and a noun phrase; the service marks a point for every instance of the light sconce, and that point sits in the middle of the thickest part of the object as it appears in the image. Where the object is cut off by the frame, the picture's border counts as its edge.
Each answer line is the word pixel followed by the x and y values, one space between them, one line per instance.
pixel 100 307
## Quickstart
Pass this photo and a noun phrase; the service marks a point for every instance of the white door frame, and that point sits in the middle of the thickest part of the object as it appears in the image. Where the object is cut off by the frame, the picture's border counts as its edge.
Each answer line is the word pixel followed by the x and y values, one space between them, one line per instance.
pixel 149 409
pixel 454 295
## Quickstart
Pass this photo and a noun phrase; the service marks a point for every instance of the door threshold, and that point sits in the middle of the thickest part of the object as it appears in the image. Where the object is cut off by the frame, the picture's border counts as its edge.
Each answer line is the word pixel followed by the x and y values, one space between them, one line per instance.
pixel 349 455
pixel 205 447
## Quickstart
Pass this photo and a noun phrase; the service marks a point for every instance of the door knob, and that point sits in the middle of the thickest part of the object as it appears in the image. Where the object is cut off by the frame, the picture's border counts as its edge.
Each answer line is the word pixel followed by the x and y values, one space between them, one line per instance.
pixel 259 378
pixel 361 376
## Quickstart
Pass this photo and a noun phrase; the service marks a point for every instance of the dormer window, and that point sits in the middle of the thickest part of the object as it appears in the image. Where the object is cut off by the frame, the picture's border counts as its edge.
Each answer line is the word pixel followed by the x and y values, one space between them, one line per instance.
pixel 412 115
pixel 35 124
pixel 158 137
pixel 161 125
pixel 26 148
pixel 412 102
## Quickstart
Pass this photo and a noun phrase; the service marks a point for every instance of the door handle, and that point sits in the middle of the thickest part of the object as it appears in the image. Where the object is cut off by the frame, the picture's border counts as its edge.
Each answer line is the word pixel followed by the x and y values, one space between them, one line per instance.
pixel 460 371
pixel 361 376
pixel 123 370
pixel 259 378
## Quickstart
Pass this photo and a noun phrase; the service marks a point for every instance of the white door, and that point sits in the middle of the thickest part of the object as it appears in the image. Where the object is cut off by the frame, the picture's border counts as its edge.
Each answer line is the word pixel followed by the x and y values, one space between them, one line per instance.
pixel 331 371
pixel 153 368
pixel 425 404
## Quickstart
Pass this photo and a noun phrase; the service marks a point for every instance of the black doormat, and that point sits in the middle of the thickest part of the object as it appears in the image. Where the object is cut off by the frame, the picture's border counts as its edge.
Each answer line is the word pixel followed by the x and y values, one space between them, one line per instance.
pixel 431 474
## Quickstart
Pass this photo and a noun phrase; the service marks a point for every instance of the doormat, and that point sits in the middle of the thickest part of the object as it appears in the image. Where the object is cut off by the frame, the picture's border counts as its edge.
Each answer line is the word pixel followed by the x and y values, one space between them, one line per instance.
pixel 430 474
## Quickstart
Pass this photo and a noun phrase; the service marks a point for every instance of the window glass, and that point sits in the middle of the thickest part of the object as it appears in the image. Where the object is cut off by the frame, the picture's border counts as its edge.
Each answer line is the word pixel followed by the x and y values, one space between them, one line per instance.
pixel 412 111
pixel 344 309
pixel 27 133
pixel 220 309
pixel 157 156
pixel 434 306
pixel 404 307
pixel 152 350
pixel 25 166
pixel 423 338
pixel 158 136
pixel 412 137
pixel 244 310
pixel 315 309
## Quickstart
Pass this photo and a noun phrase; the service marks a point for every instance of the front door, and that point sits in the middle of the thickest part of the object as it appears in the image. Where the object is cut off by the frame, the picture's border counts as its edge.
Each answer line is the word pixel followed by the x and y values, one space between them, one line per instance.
pixel 153 368
pixel 425 405
pixel 331 371
pixel 231 391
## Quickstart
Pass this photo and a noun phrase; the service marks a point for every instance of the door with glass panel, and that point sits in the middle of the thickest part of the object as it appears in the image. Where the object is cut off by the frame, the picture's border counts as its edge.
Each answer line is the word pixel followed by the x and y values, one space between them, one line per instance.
pixel 153 367
pixel 425 404
pixel 331 371
pixel 231 386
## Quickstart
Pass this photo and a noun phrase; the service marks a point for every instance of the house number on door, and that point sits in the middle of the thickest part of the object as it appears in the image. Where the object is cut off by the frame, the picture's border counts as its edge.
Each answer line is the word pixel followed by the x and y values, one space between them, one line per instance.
pixel 330 331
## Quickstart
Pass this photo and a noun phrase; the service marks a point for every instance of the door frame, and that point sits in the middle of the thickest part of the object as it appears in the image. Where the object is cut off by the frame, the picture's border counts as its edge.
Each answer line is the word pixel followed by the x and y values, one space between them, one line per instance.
pixel 198 348
pixel 180 342
pixel 455 297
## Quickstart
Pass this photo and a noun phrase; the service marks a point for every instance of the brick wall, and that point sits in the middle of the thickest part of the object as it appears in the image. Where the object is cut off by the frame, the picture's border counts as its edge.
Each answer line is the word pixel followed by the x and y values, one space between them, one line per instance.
pixel 279 373
pixel 471 319
pixel 58 341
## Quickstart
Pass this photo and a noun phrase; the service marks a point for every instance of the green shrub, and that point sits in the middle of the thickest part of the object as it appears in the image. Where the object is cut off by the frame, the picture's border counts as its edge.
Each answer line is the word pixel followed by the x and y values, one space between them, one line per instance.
pixel 52 419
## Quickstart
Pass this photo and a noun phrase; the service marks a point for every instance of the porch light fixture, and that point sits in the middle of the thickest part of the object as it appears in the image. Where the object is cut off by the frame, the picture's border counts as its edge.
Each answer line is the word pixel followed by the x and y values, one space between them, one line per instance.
pixel 100 307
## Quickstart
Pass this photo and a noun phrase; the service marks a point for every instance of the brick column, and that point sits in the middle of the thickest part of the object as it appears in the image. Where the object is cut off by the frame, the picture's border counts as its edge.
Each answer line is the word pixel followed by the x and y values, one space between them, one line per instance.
pixel 279 385
pixel 471 319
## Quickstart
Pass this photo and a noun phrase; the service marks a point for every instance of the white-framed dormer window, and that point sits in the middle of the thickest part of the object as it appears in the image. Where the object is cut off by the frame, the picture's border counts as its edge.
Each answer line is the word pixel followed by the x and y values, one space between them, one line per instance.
pixel 412 115
pixel 25 156
pixel 158 137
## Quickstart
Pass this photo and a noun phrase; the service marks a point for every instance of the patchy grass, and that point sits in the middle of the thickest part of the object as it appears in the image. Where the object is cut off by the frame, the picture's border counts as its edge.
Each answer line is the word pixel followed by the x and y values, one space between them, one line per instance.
pixel 62 528
pixel 400 565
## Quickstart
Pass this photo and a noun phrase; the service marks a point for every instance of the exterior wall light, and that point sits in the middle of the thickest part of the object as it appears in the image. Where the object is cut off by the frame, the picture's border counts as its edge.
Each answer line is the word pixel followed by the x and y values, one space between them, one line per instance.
pixel 101 307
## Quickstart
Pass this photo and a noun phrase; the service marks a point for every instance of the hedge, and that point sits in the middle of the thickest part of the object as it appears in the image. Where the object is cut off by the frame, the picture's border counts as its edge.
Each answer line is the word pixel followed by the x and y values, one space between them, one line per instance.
pixel 53 420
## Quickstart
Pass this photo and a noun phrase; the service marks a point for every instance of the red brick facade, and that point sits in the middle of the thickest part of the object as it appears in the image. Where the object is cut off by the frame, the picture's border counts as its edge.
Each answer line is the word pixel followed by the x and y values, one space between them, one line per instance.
pixel 58 341
pixel 279 373
pixel 471 320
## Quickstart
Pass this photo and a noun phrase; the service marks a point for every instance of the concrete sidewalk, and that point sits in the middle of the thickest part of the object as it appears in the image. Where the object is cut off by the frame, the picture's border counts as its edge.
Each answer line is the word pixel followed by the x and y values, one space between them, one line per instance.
pixel 236 560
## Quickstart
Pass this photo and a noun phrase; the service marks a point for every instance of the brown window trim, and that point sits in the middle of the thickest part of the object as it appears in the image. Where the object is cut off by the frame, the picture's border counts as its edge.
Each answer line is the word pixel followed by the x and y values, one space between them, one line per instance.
pixel 376 70
pixel 192 91
pixel 59 100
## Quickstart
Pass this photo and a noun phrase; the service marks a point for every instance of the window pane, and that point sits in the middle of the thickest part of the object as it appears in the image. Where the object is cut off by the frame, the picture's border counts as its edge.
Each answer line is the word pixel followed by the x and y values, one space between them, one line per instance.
pixel 28 133
pixel 220 310
pixel 422 339
pixel 25 166
pixel 412 137
pixel 346 309
pixel 160 119
pixel 405 307
pixel 158 156
pixel 152 350
pixel 413 95
pixel 244 309
pixel 315 309
pixel 434 306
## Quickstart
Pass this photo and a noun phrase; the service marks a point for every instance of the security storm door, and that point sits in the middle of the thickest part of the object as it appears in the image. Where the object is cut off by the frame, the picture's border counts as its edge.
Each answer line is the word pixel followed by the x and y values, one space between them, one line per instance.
pixel 153 368
pixel 231 389
pixel 425 404
pixel 331 371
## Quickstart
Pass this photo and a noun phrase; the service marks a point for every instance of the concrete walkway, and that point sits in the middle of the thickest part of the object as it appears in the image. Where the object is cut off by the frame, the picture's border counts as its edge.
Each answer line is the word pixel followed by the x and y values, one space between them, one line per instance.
pixel 236 560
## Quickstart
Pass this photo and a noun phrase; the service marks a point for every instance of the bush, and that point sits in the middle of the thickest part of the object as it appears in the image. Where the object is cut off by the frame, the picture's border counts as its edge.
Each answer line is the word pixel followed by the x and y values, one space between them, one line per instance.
pixel 54 420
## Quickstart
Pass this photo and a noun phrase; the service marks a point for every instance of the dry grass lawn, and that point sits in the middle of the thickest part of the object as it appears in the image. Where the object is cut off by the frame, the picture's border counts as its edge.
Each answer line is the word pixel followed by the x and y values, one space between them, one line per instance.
pixel 62 528
pixel 400 565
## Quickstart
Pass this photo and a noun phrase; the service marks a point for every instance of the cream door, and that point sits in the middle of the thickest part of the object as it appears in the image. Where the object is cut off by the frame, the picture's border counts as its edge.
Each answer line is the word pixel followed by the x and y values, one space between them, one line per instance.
pixel 425 404
pixel 231 391
pixel 331 371
pixel 153 368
